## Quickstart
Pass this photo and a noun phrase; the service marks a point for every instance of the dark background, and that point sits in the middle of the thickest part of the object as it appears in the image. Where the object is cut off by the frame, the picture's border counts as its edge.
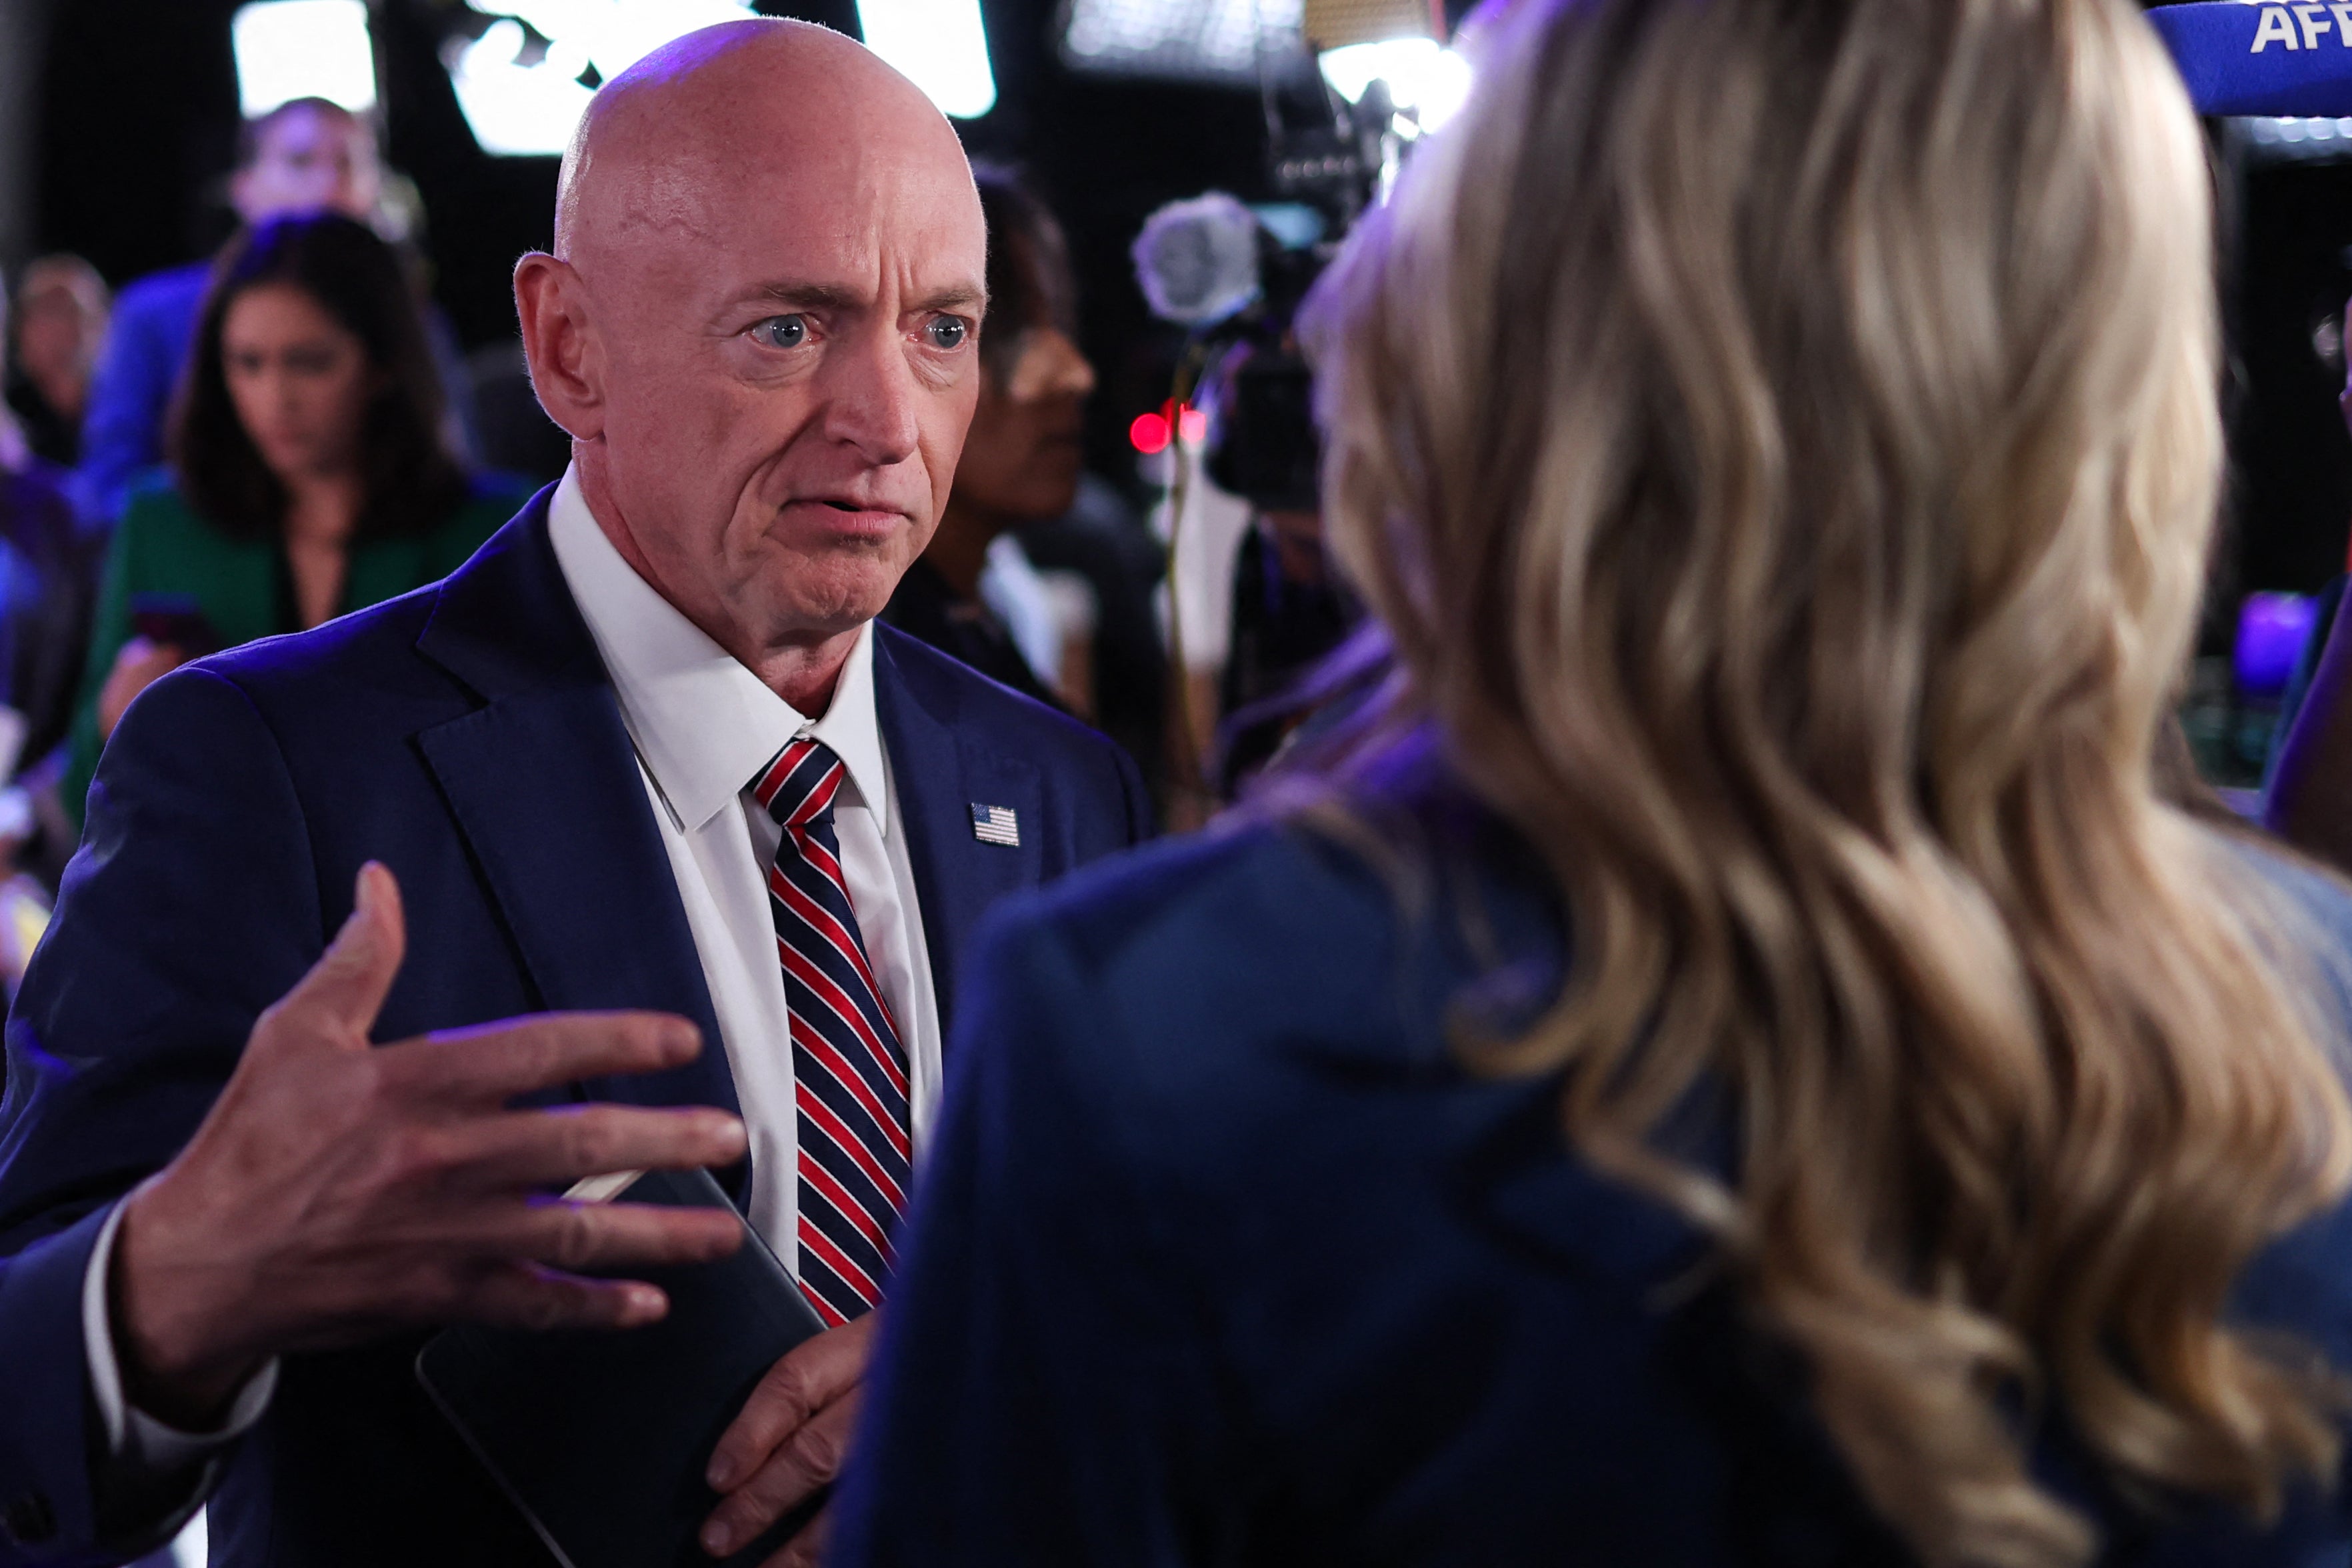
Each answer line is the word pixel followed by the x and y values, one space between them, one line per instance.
pixel 2285 282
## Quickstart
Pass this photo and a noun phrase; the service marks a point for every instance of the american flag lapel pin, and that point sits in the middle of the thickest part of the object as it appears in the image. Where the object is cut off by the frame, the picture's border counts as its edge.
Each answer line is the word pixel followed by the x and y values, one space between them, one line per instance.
pixel 996 824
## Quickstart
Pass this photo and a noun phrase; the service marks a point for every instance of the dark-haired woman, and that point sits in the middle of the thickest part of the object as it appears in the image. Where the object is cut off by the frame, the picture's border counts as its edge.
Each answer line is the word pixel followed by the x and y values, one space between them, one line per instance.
pixel 307 475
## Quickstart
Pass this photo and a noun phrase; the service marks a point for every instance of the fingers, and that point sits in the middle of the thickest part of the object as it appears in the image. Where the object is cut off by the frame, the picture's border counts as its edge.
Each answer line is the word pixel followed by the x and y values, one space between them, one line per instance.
pixel 530 1149
pixel 341 995
pixel 813 1375
pixel 601 1238
pixel 808 1461
pixel 520 1297
pixel 496 1062
pixel 807 1547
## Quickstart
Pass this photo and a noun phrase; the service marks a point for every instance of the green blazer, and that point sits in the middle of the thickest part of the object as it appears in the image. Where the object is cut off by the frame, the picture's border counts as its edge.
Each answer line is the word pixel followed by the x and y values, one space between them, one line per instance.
pixel 163 546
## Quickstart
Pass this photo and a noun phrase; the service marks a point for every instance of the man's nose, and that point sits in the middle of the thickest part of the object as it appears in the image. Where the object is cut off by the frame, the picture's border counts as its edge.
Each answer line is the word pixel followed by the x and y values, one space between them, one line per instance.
pixel 872 398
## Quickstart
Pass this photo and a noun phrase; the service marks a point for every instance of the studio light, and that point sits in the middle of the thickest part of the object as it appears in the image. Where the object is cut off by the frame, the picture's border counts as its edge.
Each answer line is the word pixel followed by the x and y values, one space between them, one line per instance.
pixel 525 82
pixel 1186 40
pixel 1358 42
pixel 522 86
pixel 938 45
pixel 1426 80
pixel 302 49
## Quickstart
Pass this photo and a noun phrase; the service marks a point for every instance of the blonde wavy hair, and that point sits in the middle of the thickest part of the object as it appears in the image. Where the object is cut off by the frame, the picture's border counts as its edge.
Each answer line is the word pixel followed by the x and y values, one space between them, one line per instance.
pixel 1779 440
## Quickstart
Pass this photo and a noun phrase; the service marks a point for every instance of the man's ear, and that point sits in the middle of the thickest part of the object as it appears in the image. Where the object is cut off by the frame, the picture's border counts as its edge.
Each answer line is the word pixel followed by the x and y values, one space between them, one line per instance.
pixel 567 363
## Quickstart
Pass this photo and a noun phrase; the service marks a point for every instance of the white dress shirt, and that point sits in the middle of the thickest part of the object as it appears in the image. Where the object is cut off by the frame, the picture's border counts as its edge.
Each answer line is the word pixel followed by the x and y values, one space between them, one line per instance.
pixel 703 727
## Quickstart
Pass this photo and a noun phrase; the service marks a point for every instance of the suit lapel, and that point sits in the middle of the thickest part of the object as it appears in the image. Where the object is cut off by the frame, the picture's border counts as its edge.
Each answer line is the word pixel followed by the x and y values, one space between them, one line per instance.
pixel 939 769
pixel 544 787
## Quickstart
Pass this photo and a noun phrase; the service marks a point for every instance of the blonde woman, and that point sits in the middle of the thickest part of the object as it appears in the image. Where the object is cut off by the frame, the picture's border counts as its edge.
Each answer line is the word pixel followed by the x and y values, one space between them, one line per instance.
pixel 1729 1060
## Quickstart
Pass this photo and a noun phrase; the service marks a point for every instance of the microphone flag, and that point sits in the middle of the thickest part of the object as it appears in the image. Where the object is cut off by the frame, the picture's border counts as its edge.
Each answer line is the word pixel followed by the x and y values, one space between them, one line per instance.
pixel 2267 59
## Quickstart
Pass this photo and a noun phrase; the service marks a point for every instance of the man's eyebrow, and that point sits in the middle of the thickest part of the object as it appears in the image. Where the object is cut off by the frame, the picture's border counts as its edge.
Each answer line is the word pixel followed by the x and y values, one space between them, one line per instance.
pixel 959 297
pixel 810 296
pixel 833 297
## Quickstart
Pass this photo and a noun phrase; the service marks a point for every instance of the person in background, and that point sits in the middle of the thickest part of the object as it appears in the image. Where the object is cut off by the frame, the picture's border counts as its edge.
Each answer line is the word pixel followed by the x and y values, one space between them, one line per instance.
pixel 306 156
pixel 1726 1056
pixel 60 324
pixel 309 475
pixel 1021 463
pixel 48 583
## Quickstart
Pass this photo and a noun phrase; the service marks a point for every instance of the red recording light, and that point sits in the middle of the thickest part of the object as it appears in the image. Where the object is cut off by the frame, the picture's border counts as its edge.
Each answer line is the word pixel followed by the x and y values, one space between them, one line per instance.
pixel 1150 432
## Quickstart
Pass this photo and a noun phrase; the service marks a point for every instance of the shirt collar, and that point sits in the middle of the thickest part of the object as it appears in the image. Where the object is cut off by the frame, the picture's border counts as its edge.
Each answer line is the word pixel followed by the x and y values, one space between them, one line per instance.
pixel 703 724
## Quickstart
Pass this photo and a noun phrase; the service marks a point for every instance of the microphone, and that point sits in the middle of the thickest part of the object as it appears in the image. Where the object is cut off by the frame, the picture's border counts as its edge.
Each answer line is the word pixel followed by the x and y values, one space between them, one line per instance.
pixel 1196 261
pixel 2292 59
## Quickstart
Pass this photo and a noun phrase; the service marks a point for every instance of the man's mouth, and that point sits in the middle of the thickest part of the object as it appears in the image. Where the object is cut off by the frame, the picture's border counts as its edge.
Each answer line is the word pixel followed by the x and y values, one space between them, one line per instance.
pixel 846 516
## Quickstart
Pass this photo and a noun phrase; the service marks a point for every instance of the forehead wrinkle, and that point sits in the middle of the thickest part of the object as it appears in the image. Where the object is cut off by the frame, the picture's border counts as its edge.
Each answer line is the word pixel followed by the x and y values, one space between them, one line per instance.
pixel 623 185
pixel 671 199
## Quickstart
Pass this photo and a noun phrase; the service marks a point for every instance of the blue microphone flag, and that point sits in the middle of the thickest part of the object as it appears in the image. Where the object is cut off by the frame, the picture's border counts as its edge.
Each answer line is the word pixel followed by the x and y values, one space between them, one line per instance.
pixel 2267 59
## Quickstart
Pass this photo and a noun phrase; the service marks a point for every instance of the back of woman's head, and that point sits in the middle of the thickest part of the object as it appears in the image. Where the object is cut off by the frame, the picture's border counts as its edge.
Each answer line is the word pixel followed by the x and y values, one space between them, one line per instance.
pixel 1779 439
pixel 355 277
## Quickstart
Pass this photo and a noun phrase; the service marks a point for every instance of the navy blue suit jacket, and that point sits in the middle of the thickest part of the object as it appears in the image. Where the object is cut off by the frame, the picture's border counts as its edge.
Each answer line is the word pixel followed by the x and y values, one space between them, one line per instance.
pixel 465 735
pixel 1222 1258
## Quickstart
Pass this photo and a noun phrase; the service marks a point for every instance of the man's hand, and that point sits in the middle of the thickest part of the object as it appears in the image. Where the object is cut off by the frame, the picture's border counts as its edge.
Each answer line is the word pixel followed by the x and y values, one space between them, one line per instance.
pixel 339 1190
pixel 791 1439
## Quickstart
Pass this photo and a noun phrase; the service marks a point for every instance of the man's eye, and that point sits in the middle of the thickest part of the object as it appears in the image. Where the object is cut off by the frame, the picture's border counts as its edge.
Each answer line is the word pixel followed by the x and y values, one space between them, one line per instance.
pixel 782 331
pixel 949 333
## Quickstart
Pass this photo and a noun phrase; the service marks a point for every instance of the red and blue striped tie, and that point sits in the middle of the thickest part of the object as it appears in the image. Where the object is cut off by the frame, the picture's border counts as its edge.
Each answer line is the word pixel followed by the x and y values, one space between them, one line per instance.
pixel 849 1071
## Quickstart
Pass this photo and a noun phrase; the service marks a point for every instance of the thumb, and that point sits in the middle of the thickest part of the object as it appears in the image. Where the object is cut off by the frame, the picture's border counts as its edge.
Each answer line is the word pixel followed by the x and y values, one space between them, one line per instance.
pixel 346 988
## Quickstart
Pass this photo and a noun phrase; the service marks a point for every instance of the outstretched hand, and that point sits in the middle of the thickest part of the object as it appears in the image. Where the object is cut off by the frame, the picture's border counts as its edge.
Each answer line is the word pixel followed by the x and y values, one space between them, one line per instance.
pixel 338 1190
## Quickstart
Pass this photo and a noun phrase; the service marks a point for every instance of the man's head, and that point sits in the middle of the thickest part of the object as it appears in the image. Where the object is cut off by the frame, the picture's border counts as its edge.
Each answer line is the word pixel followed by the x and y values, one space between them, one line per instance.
pixel 62 310
pixel 306 156
pixel 760 327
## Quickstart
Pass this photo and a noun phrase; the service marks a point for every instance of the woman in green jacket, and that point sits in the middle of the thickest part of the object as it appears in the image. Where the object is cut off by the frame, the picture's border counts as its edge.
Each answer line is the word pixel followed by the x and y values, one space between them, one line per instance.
pixel 309 478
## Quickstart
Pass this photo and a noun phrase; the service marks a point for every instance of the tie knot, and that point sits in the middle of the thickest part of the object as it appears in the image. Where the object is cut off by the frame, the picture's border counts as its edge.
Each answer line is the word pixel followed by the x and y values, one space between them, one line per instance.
pixel 797 787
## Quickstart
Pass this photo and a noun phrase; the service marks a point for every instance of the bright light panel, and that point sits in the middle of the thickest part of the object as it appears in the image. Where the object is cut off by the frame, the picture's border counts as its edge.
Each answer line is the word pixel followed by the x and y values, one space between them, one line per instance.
pixel 1420 73
pixel 1201 40
pixel 938 45
pixel 302 49
pixel 517 108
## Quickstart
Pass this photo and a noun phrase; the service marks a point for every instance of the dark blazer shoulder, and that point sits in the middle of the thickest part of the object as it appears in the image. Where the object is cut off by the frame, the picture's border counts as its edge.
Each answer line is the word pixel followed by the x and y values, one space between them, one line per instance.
pixel 510 581
pixel 1308 939
pixel 1090 773
pixel 1265 872
pixel 348 655
pixel 957 693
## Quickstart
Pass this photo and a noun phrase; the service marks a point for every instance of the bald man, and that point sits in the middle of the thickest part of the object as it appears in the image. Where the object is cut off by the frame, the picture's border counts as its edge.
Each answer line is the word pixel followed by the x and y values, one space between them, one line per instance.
pixel 648 751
